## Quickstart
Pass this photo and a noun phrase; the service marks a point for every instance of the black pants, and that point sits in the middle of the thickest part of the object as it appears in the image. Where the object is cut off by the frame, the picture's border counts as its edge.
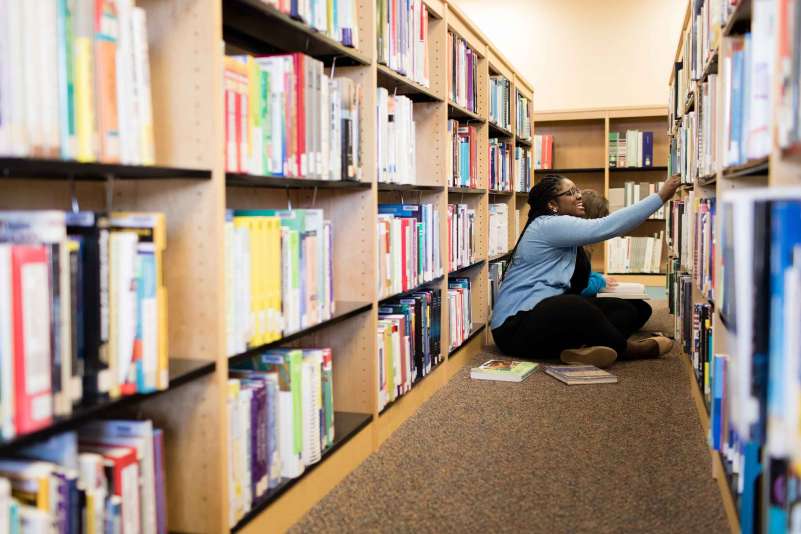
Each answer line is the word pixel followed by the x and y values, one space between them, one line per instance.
pixel 570 322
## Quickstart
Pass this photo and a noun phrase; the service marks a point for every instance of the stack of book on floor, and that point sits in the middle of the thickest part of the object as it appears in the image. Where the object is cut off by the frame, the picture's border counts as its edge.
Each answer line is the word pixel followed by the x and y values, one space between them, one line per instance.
pixel 285 117
pixel 462 161
pixel 633 192
pixel 500 102
pixel 634 148
pixel 624 290
pixel 462 73
pixel 402 37
pixel 460 307
pixel 543 151
pixel 83 312
pixel 461 236
pixel 635 254
pixel 500 165
pixel 409 348
pixel 395 139
pixel 279 274
pixel 498 229
pixel 281 418
pixel 75 82
pixel 408 247
pixel 108 477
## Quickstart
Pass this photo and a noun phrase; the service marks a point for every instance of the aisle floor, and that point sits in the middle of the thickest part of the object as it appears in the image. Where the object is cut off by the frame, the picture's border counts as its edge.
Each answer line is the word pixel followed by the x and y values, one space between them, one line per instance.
pixel 539 457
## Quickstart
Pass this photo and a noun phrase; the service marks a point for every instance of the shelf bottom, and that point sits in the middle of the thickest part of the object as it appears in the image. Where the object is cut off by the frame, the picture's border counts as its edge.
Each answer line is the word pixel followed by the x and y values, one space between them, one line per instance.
pixel 346 426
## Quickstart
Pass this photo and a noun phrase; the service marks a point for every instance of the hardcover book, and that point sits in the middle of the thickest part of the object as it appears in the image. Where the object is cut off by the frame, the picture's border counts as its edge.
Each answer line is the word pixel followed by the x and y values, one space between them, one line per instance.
pixel 580 374
pixel 503 370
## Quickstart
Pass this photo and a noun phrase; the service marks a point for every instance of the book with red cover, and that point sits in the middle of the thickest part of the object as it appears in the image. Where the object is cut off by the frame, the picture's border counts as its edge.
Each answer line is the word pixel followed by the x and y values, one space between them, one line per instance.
pixel 31 331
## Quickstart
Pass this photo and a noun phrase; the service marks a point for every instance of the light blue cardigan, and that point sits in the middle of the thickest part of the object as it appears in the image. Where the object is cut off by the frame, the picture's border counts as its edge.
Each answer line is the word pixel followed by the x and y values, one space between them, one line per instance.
pixel 546 256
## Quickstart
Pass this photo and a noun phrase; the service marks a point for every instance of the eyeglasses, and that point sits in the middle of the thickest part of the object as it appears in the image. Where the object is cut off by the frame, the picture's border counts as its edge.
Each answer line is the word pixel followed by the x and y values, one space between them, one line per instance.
pixel 573 191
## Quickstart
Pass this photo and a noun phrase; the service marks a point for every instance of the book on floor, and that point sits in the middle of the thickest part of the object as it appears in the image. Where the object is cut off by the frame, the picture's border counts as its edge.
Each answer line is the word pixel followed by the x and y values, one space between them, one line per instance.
pixel 580 374
pixel 505 370
pixel 625 290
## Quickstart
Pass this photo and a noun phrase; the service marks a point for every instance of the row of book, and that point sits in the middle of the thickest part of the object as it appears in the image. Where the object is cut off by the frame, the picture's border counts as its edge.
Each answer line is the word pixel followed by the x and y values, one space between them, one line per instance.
pixel 279 274
pixel 756 428
pixel 524 111
pixel 498 229
pixel 632 148
pixel 704 247
pixel 543 151
pixel 462 247
pixel 462 73
pixel 500 165
pixel 462 162
pixel 285 117
pixel 408 247
pixel 409 333
pixel 679 222
pixel 109 477
pixel 281 420
pixel 402 38
pixel 706 124
pixel 633 192
pixel 637 255
pixel 395 139
pixel 460 315
pixel 338 19
pixel 683 159
pixel 75 81
pixel 523 182
pixel 500 102
pixel 83 313
pixel 789 62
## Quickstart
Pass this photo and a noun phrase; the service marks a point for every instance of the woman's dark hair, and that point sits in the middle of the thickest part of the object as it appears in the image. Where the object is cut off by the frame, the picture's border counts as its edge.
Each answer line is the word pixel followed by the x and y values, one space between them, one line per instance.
pixel 543 192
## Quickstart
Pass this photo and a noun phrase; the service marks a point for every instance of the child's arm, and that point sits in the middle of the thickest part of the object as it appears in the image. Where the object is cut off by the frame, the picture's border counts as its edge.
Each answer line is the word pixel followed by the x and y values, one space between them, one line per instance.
pixel 594 285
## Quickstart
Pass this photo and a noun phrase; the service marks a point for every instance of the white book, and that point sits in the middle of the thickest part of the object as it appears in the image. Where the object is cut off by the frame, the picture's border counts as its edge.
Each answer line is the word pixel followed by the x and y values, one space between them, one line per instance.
pixel 312 404
pixel 144 105
pixel 126 110
pixel 123 304
pixel 291 463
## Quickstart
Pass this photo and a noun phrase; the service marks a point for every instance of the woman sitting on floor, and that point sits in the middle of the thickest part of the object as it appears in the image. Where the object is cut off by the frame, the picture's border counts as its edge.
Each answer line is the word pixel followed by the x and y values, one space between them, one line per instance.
pixel 539 311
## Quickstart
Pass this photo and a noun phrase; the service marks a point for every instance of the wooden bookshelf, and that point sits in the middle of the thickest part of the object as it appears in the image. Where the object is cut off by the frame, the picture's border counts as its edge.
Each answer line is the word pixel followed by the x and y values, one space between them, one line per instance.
pixel 581 153
pixel 190 185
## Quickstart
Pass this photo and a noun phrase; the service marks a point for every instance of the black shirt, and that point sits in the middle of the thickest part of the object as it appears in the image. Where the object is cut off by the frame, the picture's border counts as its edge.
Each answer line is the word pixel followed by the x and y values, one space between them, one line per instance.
pixel 581 274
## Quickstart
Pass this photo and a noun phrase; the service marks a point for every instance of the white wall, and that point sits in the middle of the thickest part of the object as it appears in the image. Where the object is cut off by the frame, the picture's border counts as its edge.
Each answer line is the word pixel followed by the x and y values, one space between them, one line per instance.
pixel 585 53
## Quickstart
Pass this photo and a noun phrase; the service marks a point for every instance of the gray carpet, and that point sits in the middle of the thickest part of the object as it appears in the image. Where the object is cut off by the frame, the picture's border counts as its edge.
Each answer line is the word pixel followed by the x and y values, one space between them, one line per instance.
pixel 539 456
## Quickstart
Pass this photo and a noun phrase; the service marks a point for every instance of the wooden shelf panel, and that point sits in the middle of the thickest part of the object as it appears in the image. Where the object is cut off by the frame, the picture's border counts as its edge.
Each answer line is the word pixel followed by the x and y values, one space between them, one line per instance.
pixel 261 28
pixel 64 169
pixel 181 371
pixel 740 19
pixel 346 426
pixel 424 285
pixel 570 171
pixel 498 131
pixel 477 328
pixel 344 310
pixel 523 142
pixel 394 81
pixel 285 182
pixel 455 111
pixel 500 256
pixel 416 383
pixel 501 193
pixel 409 187
pixel 750 168
pixel 661 168
pixel 462 270
pixel 467 190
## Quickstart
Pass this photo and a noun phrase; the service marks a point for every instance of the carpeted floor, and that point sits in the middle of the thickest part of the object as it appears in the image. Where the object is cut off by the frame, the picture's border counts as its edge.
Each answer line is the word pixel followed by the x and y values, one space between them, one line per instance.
pixel 539 456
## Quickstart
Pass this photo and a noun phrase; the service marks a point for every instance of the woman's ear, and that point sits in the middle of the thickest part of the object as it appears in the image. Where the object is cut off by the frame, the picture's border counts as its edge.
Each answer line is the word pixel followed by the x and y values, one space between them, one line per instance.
pixel 553 207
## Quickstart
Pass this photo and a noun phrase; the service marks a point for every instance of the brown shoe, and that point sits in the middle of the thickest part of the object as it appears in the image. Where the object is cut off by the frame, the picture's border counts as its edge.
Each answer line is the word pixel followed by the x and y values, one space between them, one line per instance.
pixel 598 356
pixel 665 344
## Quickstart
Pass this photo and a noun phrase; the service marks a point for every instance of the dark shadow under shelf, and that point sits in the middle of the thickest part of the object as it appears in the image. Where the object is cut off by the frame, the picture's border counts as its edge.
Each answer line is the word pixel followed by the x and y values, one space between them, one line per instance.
pixel 51 169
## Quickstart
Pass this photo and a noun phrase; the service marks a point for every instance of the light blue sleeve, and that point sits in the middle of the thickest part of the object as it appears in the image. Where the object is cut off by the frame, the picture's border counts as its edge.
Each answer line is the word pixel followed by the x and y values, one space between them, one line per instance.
pixel 596 283
pixel 567 231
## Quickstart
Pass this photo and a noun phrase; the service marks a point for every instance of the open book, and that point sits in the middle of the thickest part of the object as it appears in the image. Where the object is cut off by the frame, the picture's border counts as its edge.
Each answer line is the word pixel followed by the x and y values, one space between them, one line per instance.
pixel 624 290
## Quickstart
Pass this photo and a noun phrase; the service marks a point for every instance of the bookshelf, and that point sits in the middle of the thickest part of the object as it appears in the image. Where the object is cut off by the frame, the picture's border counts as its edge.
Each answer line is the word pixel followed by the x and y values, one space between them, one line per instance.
pixel 190 185
pixel 762 170
pixel 581 153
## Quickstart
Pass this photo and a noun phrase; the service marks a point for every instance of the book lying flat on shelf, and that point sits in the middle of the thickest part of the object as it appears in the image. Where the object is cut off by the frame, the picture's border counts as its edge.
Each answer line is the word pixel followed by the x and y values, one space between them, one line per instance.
pixel 580 374
pixel 504 370
pixel 624 290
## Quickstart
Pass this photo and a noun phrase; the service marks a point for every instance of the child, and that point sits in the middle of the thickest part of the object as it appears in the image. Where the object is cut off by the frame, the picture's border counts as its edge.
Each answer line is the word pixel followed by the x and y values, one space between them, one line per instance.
pixel 595 207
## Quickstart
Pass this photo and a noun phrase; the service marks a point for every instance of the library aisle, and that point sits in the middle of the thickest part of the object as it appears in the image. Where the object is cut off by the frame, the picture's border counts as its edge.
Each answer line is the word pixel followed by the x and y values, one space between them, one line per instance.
pixel 539 456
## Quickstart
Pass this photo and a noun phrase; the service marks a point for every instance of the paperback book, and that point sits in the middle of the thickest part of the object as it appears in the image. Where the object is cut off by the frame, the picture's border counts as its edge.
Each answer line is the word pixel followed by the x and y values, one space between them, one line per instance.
pixel 580 374
pixel 503 370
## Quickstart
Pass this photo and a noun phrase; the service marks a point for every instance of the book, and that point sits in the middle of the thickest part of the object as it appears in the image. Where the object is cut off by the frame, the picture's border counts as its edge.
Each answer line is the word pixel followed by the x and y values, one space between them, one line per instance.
pixel 503 370
pixel 462 73
pixel 523 122
pixel 624 290
pixel 580 374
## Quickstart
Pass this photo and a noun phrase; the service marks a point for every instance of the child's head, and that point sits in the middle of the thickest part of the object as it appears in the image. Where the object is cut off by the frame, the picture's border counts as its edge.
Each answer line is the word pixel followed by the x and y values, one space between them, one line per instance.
pixel 595 205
